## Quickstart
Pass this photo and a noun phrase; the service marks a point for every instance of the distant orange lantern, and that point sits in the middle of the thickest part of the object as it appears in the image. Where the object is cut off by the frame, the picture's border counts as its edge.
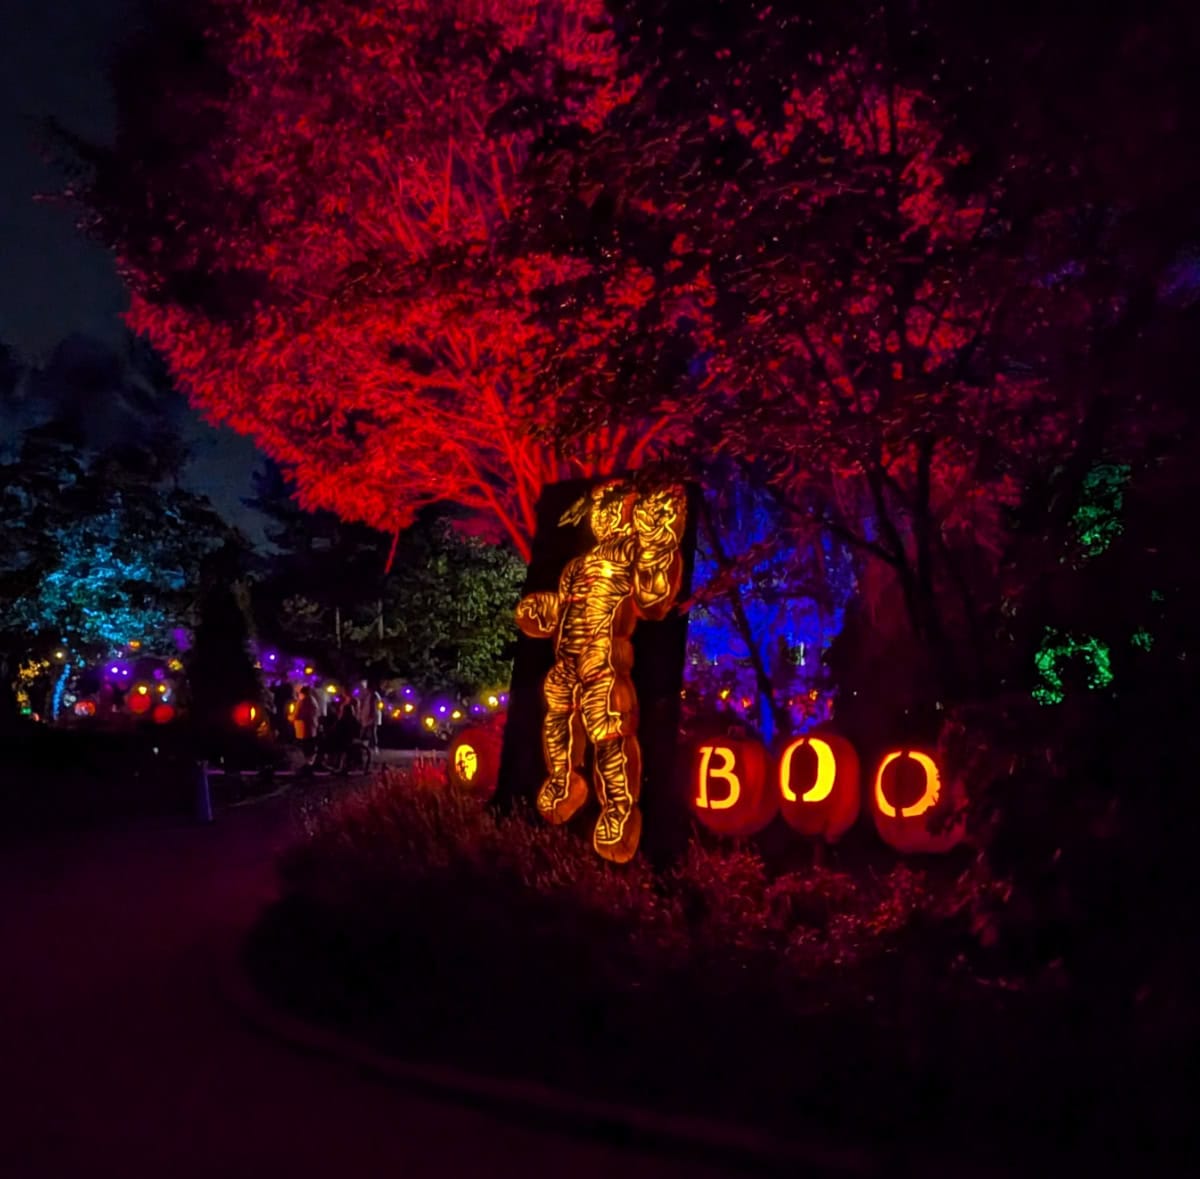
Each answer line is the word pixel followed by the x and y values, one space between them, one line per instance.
pixel 728 789
pixel 85 708
pixel 819 792
pixel 474 760
pixel 907 795
pixel 246 715
pixel 163 714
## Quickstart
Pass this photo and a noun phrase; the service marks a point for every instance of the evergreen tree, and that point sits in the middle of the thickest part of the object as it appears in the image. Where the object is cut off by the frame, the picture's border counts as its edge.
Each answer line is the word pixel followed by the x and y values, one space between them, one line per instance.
pixel 221 674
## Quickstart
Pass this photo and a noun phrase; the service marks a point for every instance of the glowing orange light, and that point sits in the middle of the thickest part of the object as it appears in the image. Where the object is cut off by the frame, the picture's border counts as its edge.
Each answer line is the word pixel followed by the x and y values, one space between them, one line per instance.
pixel 466 762
pixel 175 665
pixel 492 701
pixel 456 714
pixel 723 773
pixel 410 708
pixel 135 644
pixel 430 722
pixel 308 671
pixel 724 693
pixel 142 690
pixel 822 788
pixel 933 787
pixel 395 714
pixel 162 689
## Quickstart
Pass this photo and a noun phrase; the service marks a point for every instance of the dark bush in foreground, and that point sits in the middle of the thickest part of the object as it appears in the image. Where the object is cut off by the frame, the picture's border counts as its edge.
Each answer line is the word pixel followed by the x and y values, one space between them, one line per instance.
pixel 419 921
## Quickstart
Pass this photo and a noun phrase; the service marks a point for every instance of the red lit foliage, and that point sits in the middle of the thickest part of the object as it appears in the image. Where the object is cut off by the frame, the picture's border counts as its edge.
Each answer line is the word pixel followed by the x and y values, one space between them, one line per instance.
pixel 856 278
pixel 310 231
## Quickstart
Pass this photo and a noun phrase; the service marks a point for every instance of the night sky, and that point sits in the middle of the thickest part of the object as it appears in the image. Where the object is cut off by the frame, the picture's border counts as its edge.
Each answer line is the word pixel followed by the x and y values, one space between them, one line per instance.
pixel 53 282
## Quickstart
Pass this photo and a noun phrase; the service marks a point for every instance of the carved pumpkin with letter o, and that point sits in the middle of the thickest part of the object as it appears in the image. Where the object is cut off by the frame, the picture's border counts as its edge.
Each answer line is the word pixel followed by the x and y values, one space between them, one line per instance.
pixel 819 785
pixel 728 786
pixel 907 793
pixel 474 760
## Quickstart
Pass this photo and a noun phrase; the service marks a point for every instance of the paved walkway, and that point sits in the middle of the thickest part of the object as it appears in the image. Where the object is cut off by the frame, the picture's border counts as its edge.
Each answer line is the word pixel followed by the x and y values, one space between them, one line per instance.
pixel 119 1058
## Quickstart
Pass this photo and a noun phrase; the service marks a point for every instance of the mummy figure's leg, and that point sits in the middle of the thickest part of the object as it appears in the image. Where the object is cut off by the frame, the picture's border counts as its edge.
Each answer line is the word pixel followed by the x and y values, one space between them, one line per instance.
pixel 608 712
pixel 564 790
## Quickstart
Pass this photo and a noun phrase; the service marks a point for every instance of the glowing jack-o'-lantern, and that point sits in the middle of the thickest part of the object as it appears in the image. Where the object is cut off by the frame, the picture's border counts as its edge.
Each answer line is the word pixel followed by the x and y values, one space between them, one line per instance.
pixel 139 700
pixel 728 788
pixel 246 715
pixel 474 760
pixel 819 785
pixel 908 795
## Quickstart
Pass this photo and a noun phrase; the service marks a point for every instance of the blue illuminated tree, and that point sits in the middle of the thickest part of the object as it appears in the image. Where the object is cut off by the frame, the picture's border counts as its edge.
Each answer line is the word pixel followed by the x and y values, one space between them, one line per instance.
pixel 97 553
pixel 767 605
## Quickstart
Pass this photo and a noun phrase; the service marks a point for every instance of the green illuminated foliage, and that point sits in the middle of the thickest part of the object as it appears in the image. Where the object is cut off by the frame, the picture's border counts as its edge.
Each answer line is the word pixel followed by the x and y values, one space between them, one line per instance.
pixel 1097 520
pixel 1060 651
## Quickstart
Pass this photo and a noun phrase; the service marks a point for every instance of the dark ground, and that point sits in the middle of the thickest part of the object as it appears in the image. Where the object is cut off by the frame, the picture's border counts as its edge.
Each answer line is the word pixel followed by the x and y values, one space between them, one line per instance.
pixel 119 1057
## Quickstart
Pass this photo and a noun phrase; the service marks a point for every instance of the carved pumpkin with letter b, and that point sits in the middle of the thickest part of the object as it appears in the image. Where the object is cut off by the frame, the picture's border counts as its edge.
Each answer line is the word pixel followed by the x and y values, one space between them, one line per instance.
pixel 819 785
pixel 907 793
pixel 728 787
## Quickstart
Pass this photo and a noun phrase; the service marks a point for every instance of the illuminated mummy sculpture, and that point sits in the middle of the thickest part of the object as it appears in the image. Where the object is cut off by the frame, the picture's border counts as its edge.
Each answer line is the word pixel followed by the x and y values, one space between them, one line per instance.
pixel 633 571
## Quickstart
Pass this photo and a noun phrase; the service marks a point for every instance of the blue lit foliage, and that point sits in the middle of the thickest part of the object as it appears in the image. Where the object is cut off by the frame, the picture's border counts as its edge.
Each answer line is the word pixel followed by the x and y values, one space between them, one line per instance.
pixel 95 555
pixel 101 593
pixel 793 599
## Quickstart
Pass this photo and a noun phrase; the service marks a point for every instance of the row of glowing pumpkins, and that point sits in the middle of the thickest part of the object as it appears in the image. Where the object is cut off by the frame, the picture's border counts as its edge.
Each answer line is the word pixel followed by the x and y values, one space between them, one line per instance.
pixel 815 785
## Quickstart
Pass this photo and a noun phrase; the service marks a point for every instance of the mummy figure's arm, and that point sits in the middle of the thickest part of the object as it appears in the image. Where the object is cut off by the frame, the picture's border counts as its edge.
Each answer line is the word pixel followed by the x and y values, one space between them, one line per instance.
pixel 537 614
pixel 658 521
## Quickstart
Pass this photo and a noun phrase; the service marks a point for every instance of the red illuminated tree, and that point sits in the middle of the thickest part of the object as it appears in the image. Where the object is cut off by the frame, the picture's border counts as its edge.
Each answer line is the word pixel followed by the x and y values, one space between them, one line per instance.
pixel 309 221
pixel 875 271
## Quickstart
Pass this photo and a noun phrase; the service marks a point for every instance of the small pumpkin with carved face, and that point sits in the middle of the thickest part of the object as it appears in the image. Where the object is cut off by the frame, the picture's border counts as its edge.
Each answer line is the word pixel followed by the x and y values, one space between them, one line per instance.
pixel 474 760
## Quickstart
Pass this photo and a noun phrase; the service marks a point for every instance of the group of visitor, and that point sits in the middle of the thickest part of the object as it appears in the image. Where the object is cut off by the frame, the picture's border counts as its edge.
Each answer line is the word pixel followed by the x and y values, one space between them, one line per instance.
pixel 327 736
